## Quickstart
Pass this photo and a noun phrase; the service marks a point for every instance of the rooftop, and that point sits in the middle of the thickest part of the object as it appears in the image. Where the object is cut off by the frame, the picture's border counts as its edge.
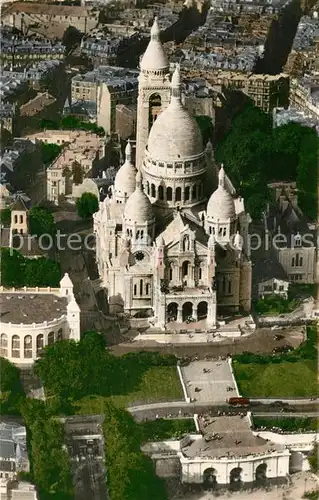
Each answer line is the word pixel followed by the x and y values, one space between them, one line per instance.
pixel 227 437
pixel 19 307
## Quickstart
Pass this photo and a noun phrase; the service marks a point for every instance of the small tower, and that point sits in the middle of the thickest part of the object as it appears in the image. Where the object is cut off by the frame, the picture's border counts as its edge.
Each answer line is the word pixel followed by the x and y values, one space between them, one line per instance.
pixel 73 318
pixel 19 218
pixel 66 287
pixel 153 91
pixel 159 258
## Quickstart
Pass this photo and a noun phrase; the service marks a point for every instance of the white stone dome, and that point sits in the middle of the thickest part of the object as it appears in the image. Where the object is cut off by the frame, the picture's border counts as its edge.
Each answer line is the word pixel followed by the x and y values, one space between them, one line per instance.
pixel 221 203
pixel 138 207
pixel 154 58
pixel 125 179
pixel 175 135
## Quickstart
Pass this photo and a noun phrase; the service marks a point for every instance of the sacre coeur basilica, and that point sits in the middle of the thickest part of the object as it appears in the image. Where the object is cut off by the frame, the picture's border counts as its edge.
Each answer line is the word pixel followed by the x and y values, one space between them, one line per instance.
pixel 172 236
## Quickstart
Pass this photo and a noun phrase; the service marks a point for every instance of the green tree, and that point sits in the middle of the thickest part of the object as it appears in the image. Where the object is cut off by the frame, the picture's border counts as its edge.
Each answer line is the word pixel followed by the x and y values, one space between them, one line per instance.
pixel 87 205
pixel 206 127
pixel 50 124
pixel 41 221
pixel 6 138
pixel 42 272
pixel 12 268
pixel 70 123
pixel 11 390
pixel 51 470
pixel 49 152
pixel 5 217
pixel 71 38
pixel 77 172
pixel 131 474
pixel 313 459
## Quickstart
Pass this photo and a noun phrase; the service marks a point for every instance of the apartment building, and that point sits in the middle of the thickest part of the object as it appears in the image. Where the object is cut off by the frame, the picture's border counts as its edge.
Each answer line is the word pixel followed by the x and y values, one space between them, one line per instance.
pixel 81 149
pixel 304 95
pixel 266 91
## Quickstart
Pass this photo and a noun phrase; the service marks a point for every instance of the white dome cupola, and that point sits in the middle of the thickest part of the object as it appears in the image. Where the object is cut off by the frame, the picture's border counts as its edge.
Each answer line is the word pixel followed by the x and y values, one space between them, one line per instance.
pixel 138 217
pixel 175 135
pixel 154 58
pixel 125 179
pixel 221 213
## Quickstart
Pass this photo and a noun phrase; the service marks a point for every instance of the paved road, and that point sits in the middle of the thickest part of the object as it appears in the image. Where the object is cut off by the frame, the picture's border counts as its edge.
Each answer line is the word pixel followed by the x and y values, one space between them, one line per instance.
pixel 182 409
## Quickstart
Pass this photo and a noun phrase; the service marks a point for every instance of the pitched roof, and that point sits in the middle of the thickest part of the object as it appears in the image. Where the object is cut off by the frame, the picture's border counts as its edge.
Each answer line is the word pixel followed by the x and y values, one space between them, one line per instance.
pixel 19 205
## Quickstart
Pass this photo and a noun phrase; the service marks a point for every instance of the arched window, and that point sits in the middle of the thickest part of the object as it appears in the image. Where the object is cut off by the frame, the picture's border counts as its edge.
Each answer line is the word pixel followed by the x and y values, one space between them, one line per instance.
pixel 160 193
pixel 170 272
pixel 59 337
pixel 155 104
pixel 200 273
pixel 21 219
pixel 224 231
pixel 300 261
pixel 169 194
pixel 141 287
pixel 293 262
pixel 4 344
pixel 28 346
pixel 147 289
pixel 40 343
pixel 229 287
pixel 142 234
pixel 135 289
pixel 15 346
pixel 178 194
pixel 153 191
pixel 148 187
pixel 210 230
pixel 187 193
pixel 137 234
pixel 16 219
pixel 51 338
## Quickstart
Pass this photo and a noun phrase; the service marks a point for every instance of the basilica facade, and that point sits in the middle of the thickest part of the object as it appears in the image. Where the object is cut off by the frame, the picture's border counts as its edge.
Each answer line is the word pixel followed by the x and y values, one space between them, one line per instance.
pixel 169 243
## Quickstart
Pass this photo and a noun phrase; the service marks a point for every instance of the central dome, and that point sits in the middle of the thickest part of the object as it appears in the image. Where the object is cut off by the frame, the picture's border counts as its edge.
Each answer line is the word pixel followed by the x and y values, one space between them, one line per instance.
pixel 174 135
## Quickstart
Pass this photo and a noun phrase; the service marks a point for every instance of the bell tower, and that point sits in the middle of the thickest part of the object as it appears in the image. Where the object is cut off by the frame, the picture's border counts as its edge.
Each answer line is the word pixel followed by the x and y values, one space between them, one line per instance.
pixel 153 92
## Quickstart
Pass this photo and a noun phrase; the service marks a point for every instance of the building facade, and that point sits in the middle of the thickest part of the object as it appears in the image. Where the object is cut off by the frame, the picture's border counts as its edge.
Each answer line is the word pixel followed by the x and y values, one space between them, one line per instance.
pixel 161 249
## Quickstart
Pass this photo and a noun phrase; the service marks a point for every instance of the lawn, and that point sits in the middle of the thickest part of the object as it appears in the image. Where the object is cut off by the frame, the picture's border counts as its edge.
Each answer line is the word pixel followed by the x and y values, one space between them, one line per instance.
pixel 159 383
pixel 283 379
pixel 287 424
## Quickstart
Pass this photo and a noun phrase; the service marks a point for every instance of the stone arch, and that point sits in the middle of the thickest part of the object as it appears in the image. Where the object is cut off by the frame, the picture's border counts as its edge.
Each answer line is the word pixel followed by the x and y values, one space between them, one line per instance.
pixel 160 193
pixel 210 478
pixel 40 343
pixel 235 477
pixel 172 309
pixel 187 310
pixel 4 344
pixel 51 338
pixel 27 346
pixel 15 346
pixel 202 310
pixel 296 461
pixel 178 194
pixel 169 194
pixel 261 472
pixel 187 193
pixel 153 191
pixel 186 266
pixel 154 107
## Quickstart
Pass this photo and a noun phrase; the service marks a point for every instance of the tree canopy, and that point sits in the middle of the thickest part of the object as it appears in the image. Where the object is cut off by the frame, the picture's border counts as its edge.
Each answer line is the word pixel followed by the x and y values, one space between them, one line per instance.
pixel 11 390
pixel 41 221
pixel 130 473
pixel 256 154
pixel 18 271
pixel 71 38
pixel 72 370
pixel 87 205
pixel 206 127
pixel 50 467
pixel 5 217
pixel 49 152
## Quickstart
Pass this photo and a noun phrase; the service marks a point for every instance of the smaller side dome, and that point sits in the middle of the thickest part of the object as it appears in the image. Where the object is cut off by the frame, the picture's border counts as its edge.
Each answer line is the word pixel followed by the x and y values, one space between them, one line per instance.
pixel 221 204
pixel 138 207
pixel 124 184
